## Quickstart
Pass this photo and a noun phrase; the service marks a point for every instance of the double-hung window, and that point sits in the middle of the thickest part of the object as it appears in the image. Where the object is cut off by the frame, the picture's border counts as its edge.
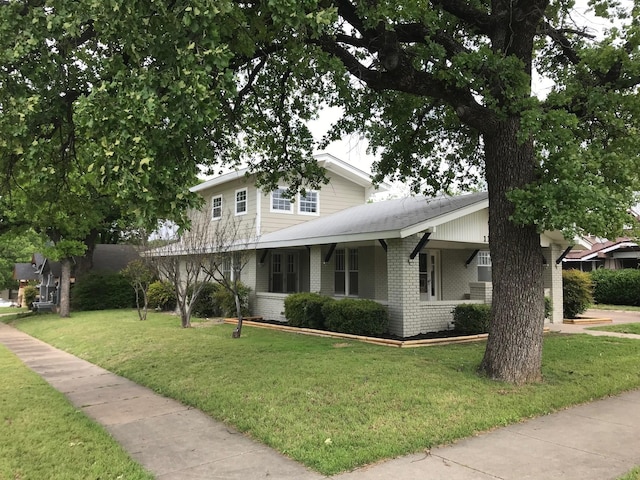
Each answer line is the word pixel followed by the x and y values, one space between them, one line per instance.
pixel 241 201
pixel 280 203
pixel 216 207
pixel 308 204
pixel 346 271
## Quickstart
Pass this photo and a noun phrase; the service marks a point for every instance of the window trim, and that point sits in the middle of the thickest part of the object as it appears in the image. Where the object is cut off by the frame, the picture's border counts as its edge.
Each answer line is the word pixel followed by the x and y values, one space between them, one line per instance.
pixel 289 211
pixel 245 201
pixel 348 257
pixel 301 198
pixel 213 207
pixel 484 258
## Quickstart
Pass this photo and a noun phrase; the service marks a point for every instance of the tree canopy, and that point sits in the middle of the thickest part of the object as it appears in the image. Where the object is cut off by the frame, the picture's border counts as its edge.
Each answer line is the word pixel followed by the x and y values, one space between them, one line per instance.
pixel 128 98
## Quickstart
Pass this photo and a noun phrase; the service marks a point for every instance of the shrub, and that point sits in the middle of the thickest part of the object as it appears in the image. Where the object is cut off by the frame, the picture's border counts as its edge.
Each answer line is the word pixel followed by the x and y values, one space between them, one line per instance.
pixel 226 302
pixel 102 291
pixel 161 295
pixel 205 305
pixel 29 295
pixel 548 308
pixel 356 316
pixel 305 310
pixel 471 318
pixel 576 292
pixel 616 287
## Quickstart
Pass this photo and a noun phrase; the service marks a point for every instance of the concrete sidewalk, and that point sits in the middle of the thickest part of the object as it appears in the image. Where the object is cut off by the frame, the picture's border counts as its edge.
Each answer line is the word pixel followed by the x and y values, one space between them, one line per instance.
pixel 596 441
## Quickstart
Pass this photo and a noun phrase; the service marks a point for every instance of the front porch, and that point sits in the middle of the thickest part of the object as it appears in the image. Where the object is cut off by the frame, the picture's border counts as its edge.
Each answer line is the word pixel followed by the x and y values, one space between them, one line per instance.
pixel 420 293
pixel 420 258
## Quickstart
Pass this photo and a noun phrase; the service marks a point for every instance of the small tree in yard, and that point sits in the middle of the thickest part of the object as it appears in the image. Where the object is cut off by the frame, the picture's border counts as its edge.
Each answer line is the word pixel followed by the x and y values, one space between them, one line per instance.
pixel 231 242
pixel 186 264
pixel 140 275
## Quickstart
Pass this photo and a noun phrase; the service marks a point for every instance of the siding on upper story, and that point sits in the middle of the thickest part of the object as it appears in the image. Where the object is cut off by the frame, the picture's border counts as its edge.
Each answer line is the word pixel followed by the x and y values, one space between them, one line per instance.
pixel 228 193
pixel 338 194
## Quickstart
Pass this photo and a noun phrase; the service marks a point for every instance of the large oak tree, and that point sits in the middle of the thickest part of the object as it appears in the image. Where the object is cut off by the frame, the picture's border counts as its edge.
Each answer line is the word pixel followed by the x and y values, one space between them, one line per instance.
pixel 139 93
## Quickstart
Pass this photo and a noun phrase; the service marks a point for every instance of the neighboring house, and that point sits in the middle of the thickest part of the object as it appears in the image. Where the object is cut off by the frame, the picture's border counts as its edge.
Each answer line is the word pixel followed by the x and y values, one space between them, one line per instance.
pixel 615 254
pixel 24 273
pixel 420 257
pixel 106 258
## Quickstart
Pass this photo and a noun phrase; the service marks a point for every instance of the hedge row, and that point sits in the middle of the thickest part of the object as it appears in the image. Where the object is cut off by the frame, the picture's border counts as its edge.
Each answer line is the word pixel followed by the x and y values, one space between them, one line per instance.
pixel 349 315
pixel 102 291
pixel 616 287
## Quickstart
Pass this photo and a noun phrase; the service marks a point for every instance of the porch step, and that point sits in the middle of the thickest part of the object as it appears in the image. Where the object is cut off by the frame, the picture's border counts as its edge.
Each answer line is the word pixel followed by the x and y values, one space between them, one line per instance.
pixel 586 321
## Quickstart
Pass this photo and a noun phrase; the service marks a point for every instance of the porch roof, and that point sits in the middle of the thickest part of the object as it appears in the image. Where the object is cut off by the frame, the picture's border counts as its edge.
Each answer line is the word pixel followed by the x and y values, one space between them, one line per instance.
pixel 599 248
pixel 397 218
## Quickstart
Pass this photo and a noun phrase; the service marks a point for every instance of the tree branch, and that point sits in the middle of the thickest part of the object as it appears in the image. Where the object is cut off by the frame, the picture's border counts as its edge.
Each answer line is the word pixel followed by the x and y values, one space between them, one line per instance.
pixel 407 79
pixel 474 17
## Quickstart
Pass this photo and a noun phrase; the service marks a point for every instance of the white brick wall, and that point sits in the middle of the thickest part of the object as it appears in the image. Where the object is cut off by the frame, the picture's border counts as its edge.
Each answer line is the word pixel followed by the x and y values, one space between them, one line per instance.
pixel 315 265
pixel 403 286
pixel 270 306
pixel 552 277
pixel 437 316
pixel 482 291
pixel 456 276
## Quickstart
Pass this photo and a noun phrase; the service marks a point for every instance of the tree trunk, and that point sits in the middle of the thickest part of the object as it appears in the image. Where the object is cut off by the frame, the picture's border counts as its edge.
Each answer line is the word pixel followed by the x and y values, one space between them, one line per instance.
pixel 145 307
pixel 238 330
pixel 514 347
pixel 65 287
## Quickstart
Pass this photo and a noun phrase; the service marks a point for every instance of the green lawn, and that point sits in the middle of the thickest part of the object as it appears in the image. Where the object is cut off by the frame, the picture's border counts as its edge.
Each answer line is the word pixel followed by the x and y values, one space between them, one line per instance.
pixel 4 310
pixel 43 437
pixel 632 475
pixel 626 308
pixel 620 328
pixel 334 404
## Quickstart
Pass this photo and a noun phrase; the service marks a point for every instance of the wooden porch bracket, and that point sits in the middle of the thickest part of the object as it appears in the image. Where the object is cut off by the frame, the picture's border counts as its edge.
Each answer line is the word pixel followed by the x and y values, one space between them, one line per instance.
pixel 327 257
pixel 384 244
pixel 470 259
pixel 423 241
pixel 263 256
pixel 564 254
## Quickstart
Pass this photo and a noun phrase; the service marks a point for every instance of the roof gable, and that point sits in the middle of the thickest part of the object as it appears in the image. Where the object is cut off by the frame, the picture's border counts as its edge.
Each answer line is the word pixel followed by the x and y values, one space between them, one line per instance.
pixel 331 163
pixel 599 248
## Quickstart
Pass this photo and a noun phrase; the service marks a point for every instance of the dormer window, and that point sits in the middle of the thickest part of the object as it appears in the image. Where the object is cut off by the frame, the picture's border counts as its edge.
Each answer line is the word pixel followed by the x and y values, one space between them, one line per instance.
pixel 216 207
pixel 280 203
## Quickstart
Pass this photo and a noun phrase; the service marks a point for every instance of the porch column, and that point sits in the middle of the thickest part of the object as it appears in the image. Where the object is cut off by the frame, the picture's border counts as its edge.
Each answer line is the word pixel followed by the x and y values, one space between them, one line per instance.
pixel 552 276
pixel 315 269
pixel 403 287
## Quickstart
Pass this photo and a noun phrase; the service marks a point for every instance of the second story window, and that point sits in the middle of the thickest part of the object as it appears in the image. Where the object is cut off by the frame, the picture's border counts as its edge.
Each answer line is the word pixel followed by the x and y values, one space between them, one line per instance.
pixel 308 204
pixel 241 201
pixel 280 203
pixel 216 207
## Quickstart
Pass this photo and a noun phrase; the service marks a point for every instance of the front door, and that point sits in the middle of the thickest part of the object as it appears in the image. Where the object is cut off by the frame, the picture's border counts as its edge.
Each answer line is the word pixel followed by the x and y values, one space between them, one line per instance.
pixel 430 275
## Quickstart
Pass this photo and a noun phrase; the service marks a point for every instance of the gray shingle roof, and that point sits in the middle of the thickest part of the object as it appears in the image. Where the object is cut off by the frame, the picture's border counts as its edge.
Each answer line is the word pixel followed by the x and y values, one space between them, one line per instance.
pixel 24 271
pixel 371 221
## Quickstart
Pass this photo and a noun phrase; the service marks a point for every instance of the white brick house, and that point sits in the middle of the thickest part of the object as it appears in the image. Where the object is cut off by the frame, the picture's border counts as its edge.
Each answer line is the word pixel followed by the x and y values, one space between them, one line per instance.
pixel 420 257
